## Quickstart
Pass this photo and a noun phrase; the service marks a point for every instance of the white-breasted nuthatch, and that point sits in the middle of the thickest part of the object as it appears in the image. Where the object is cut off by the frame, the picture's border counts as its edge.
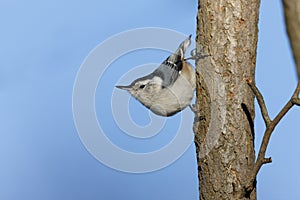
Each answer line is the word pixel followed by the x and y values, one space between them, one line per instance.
pixel 168 89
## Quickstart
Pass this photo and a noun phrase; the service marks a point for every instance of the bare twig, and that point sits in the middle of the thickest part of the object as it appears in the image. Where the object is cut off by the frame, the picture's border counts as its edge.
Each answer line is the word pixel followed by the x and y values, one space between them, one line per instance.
pixel 261 102
pixel 297 102
pixel 270 126
pixel 295 97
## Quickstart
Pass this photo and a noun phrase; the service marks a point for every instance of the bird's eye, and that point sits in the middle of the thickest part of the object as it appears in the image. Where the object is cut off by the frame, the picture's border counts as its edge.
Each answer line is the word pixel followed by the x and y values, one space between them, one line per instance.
pixel 142 86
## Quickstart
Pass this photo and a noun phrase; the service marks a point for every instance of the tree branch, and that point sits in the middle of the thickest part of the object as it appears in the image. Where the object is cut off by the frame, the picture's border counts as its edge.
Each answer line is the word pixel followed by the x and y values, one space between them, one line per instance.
pixel 292 22
pixel 261 102
pixel 270 126
pixel 297 102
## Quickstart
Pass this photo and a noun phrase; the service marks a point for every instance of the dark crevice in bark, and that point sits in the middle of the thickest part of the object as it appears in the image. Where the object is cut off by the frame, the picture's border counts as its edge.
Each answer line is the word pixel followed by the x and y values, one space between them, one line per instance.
pixel 250 120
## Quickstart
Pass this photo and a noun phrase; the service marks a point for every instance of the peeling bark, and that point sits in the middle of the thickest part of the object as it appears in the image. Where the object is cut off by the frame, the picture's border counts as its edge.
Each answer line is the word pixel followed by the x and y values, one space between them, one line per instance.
pixel 226 30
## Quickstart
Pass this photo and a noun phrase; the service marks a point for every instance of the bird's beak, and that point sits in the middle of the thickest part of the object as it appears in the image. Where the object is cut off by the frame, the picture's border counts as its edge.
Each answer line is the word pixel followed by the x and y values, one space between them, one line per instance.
pixel 124 87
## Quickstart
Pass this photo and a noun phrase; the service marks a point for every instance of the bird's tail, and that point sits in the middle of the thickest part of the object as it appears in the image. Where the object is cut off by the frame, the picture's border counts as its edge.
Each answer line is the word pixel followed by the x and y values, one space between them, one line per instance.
pixel 181 49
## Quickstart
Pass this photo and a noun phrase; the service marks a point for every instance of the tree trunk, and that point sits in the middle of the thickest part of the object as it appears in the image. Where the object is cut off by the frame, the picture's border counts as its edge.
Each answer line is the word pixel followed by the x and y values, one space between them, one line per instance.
pixel 224 130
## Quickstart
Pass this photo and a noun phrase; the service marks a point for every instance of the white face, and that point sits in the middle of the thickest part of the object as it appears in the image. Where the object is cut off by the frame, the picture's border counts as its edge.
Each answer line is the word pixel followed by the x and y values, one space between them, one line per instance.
pixel 146 90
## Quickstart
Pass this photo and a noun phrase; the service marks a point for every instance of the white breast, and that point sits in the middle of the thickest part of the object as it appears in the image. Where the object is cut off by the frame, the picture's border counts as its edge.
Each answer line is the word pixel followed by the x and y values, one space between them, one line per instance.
pixel 177 97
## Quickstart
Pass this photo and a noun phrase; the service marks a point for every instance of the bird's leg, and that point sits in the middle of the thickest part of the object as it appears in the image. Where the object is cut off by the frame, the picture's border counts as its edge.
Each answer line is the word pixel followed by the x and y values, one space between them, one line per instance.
pixel 193 108
pixel 197 118
pixel 196 56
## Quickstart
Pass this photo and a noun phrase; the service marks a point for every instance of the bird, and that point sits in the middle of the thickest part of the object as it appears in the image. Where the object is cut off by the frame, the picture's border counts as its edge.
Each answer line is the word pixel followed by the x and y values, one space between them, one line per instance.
pixel 170 87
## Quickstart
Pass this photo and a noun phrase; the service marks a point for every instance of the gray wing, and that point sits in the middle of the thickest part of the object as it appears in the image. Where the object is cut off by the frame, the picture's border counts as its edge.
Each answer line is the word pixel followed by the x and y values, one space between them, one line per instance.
pixel 168 71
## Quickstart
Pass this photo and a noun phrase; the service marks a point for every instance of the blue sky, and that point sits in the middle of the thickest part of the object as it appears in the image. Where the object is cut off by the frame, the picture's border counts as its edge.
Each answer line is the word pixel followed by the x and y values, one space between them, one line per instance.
pixel 43 45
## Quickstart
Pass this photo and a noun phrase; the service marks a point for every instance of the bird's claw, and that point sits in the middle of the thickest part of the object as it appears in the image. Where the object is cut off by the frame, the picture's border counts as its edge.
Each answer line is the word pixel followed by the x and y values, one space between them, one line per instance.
pixel 196 56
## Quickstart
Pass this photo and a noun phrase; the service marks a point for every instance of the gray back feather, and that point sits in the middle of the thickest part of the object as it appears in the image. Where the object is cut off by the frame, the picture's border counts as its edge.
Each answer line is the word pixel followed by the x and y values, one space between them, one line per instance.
pixel 169 70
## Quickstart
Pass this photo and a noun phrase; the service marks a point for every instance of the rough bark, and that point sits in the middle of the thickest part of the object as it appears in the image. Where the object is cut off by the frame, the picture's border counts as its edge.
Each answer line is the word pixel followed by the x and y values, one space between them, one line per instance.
pixel 224 134
pixel 292 21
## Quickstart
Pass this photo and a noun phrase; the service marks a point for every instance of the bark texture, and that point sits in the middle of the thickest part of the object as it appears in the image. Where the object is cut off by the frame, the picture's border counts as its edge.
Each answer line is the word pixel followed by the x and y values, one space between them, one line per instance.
pixel 224 134
pixel 292 21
